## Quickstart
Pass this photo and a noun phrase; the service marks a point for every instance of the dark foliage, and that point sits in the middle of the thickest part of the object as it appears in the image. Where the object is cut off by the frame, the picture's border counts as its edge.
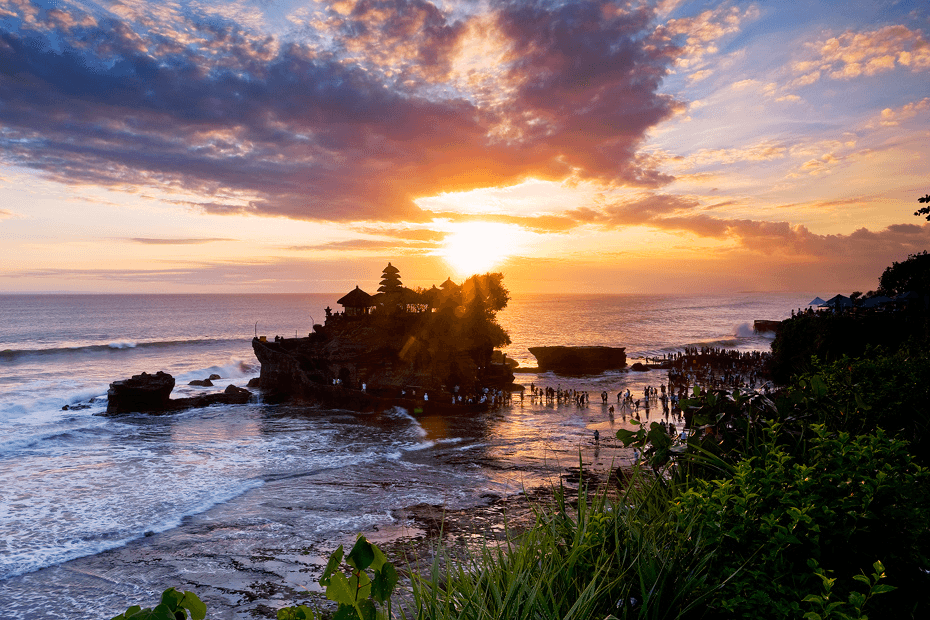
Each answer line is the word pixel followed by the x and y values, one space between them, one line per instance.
pixel 924 210
pixel 831 336
pixel 912 274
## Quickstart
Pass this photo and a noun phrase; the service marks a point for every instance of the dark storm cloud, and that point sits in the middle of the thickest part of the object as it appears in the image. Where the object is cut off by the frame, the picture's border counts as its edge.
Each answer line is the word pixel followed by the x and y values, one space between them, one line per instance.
pixel 254 125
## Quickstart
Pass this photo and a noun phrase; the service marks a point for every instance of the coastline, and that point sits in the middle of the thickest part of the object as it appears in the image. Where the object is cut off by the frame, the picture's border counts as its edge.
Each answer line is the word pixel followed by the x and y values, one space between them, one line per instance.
pixel 248 568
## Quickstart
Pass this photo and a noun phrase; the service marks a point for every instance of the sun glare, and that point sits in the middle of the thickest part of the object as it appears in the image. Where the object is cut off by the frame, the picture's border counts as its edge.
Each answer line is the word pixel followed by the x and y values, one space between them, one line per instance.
pixel 479 247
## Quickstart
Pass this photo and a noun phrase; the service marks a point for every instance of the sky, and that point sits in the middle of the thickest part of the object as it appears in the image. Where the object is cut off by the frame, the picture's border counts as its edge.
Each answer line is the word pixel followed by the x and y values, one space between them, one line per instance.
pixel 263 146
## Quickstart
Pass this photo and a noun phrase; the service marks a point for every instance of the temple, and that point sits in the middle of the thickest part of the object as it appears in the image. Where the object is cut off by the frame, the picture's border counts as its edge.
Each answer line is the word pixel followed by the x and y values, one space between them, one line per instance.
pixel 400 345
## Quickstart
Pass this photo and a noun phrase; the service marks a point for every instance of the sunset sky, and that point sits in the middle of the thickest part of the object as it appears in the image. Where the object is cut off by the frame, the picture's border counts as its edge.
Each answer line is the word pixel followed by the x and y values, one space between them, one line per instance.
pixel 293 146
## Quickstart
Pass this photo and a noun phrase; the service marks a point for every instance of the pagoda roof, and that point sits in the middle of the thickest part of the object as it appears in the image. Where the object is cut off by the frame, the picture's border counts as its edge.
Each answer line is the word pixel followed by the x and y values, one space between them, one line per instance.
pixel 391 269
pixel 356 298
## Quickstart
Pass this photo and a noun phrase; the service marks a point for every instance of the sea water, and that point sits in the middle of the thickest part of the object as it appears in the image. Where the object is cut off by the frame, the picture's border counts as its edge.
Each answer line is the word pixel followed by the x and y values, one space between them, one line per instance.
pixel 146 499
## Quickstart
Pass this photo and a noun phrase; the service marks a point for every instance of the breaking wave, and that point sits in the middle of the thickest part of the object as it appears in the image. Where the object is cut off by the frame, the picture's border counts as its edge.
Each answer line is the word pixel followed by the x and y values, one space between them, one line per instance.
pixel 121 345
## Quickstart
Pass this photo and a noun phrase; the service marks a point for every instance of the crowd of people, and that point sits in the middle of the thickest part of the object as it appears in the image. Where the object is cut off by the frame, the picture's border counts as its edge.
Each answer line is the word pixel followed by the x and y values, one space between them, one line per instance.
pixel 707 368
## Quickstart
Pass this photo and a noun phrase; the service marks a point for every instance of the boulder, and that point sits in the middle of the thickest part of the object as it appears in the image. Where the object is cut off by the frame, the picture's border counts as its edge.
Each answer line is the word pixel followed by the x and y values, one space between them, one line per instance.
pixel 254 382
pixel 201 382
pixel 579 360
pixel 214 377
pixel 143 392
pixel 237 393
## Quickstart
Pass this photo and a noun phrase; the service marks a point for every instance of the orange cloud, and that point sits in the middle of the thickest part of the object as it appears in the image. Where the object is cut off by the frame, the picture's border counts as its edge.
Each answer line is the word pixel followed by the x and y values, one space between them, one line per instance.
pixel 892 117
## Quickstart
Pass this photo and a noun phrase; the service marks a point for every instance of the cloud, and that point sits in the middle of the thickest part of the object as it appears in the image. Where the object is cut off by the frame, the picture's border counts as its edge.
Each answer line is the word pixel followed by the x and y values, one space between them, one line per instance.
pixel 766 150
pixel 854 54
pixel 892 117
pixel 407 234
pixel 367 245
pixel 793 242
pixel 192 241
pixel 4 214
pixel 703 32
pixel 327 129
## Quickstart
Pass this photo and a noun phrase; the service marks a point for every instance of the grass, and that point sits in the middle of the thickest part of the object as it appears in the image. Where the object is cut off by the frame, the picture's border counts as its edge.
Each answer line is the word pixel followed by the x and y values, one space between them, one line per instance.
pixel 605 556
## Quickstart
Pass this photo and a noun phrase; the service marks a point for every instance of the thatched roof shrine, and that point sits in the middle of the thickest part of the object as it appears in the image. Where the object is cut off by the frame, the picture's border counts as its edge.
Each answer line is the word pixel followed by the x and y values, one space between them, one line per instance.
pixel 356 298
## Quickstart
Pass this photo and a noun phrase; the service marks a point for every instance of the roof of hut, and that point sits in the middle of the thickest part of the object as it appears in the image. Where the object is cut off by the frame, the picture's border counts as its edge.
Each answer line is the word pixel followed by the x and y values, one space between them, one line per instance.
pixel 356 298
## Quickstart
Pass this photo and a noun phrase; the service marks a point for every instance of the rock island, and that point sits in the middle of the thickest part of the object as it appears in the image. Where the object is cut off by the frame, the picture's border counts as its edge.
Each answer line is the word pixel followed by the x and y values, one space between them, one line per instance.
pixel 430 349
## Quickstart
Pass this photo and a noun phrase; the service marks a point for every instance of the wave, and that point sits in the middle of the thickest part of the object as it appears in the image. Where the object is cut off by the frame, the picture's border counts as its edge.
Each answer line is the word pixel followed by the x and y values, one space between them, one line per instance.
pixel 741 340
pixel 121 345
pixel 236 368
pixel 24 561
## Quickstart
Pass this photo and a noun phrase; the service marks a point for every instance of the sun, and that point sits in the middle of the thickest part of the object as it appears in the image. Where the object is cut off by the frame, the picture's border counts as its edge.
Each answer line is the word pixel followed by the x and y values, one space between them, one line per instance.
pixel 478 247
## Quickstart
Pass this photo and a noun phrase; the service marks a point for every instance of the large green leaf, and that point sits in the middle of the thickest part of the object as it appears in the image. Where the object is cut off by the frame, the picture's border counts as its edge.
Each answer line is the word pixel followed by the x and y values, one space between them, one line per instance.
pixel 194 605
pixel 360 584
pixel 361 555
pixel 334 560
pixel 339 590
pixel 385 580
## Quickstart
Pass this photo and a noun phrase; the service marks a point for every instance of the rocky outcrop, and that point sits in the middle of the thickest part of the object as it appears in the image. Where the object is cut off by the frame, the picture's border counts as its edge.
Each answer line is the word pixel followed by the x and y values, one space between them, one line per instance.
pixel 371 361
pixel 766 326
pixel 579 360
pixel 143 392
pixel 147 393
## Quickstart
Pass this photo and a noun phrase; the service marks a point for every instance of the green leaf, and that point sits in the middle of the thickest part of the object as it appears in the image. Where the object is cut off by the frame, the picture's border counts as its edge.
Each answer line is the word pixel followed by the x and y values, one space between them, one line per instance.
pixel 367 609
pixel 385 580
pixel 626 436
pixel 300 612
pixel 379 560
pixel 194 605
pixel 360 584
pixel 132 610
pixel 346 612
pixel 331 566
pixel 818 386
pixel 171 597
pixel 161 612
pixel 812 616
pixel 882 588
pixel 361 555
pixel 863 579
pixel 339 591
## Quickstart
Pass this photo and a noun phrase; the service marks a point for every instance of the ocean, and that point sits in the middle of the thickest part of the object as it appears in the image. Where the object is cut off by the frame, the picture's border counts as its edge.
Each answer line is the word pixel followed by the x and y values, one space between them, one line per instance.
pixel 97 513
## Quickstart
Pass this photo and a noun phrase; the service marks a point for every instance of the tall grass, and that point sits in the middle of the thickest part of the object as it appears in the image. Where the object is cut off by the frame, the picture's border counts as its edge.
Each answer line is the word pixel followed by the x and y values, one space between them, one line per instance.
pixel 605 556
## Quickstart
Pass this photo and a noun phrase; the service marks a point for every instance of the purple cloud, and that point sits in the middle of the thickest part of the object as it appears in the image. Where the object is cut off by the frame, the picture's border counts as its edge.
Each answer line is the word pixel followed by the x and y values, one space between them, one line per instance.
pixel 256 125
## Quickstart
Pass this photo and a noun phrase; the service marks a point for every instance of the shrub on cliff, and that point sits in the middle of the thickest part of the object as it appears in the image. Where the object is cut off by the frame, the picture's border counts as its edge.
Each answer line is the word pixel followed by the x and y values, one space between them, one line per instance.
pixel 829 337
pixel 841 505
pixel 879 390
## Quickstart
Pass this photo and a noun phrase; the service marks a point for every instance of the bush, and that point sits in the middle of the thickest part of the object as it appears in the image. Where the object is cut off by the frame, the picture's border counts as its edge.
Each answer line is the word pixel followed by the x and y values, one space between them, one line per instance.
pixel 879 390
pixel 845 503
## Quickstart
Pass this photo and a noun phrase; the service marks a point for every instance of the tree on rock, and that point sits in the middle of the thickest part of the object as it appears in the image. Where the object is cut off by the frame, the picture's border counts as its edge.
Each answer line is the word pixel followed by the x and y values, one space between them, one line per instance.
pixel 924 210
